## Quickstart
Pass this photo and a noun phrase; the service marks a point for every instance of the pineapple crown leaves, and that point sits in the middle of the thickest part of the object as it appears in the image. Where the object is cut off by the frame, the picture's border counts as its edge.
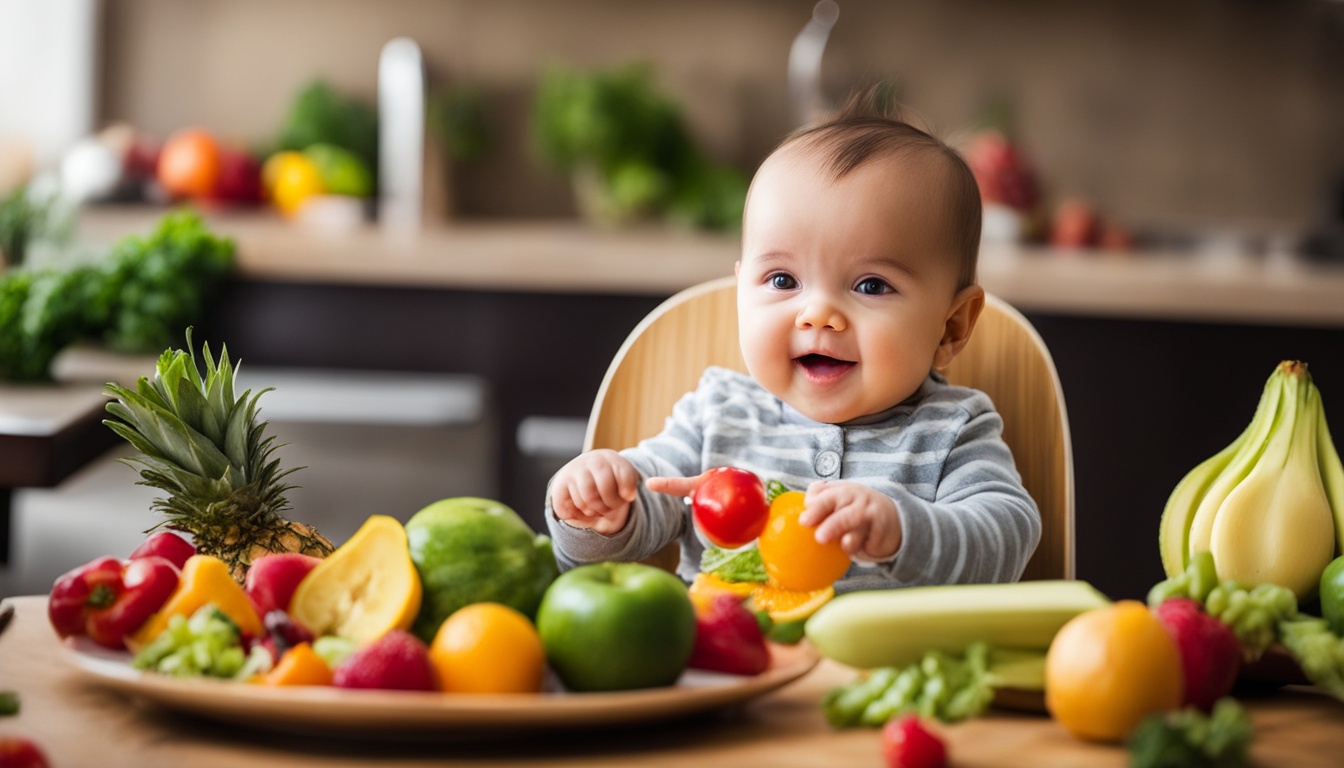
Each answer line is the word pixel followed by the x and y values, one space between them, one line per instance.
pixel 196 439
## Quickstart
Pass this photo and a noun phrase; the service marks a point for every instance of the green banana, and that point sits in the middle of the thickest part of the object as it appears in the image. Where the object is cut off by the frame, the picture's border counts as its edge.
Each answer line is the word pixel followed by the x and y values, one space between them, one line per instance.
pixel 1201 524
pixel 1269 508
pixel 1173 536
pixel 1332 477
pixel 1275 525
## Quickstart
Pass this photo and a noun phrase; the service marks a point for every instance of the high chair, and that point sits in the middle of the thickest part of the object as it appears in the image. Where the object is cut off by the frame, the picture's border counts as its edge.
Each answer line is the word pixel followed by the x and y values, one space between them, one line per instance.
pixel 664 355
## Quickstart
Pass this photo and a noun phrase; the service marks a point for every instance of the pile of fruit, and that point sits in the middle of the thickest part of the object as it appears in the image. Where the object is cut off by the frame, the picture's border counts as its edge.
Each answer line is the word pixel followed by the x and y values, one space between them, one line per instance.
pixel 326 149
pixel 464 597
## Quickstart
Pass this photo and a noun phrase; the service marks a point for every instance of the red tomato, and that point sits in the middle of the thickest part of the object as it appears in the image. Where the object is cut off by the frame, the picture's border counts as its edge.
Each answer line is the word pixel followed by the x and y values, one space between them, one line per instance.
pixel 729 507
pixel 906 743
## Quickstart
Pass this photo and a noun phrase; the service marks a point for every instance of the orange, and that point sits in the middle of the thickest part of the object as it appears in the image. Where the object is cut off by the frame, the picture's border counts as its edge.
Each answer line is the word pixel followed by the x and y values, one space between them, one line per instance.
pixel 787 605
pixel 299 665
pixel 488 648
pixel 1108 668
pixel 793 558
pixel 189 164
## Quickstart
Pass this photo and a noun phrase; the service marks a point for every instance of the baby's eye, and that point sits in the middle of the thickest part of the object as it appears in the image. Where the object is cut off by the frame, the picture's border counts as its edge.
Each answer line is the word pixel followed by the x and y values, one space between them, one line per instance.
pixel 782 282
pixel 872 286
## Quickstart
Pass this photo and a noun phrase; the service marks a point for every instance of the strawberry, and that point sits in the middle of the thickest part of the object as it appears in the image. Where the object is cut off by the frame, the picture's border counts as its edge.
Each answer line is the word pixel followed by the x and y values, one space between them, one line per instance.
pixel 396 661
pixel 1210 652
pixel 728 638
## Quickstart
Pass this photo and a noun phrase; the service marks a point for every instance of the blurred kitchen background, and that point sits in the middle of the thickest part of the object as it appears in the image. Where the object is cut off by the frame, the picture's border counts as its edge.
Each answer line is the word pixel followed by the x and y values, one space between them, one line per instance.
pixel 1124 127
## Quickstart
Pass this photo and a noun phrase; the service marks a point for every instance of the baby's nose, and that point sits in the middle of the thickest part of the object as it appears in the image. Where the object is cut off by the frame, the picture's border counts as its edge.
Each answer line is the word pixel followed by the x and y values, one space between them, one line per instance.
pixel 822 314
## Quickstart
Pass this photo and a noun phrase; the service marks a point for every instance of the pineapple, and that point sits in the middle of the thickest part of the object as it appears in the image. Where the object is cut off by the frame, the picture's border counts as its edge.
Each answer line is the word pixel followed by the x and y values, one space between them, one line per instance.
pixel 207 451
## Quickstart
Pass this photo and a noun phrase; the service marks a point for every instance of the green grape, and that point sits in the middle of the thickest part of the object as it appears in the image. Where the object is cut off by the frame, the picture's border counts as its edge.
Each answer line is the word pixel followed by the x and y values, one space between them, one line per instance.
pixel 939 685
pixel 206 644
pixel 1318 651
pixel 1254 615
pixel 1195 582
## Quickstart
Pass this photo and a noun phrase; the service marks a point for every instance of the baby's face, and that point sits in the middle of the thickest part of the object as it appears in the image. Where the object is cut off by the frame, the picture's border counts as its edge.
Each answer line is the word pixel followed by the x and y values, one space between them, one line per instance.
pixel 844 287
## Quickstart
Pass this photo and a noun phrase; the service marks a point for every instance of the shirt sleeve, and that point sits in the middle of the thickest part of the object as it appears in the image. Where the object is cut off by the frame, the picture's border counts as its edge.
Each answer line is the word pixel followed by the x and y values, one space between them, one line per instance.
pixel 982 526
pixel 656 519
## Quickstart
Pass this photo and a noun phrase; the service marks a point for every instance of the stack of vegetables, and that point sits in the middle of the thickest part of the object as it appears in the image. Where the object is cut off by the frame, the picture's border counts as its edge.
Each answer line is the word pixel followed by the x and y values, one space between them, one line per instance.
pixel 136 298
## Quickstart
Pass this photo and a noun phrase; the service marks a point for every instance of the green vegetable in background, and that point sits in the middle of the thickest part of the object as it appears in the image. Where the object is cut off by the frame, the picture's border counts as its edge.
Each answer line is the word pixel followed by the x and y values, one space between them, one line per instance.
pixel 320 114
pixel 137 298
pixel 154 287
pixel 629 153
pixel 25 218
pixel 1190 739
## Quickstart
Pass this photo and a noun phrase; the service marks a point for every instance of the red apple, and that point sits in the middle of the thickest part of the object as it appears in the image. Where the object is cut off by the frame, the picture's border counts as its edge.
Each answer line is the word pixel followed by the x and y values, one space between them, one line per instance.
pixel 728 638
pixel 19 752
pixel 239 179
pixel 1210 652
pixel 168 545
pixel 272 579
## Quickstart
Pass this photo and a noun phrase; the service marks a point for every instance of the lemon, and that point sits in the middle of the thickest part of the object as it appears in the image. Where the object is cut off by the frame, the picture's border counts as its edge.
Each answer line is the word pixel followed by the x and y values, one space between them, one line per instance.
pixel 290 178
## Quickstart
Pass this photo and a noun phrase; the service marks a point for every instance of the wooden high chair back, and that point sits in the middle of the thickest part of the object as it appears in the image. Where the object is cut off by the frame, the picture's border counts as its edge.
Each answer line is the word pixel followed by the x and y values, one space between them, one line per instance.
pixel 664 356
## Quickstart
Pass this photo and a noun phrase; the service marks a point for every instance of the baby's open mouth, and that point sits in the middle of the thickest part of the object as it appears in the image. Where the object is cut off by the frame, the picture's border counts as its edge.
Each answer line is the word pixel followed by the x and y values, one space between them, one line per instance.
pixel 822 365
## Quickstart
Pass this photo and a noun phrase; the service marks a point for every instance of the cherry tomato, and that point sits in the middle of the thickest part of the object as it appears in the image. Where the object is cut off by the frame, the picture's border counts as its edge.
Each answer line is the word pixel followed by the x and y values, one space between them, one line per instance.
pixel 906 743
pixel 729 507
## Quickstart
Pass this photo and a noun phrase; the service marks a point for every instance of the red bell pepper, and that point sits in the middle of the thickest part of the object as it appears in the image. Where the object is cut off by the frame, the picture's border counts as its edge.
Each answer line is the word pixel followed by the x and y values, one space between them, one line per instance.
pixel 108 599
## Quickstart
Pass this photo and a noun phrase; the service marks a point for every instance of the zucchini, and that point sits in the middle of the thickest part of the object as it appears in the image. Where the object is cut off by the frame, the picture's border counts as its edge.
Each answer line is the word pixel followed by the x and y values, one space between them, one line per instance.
pixel 895 627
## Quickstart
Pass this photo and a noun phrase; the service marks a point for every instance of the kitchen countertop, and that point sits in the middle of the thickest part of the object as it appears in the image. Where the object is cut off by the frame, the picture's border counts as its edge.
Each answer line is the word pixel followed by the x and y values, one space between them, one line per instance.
pixel 567 256
pixel 1294 727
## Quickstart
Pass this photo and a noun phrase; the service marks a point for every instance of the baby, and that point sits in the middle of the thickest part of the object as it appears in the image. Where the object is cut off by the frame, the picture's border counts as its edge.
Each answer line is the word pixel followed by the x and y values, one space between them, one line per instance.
pixel 856 285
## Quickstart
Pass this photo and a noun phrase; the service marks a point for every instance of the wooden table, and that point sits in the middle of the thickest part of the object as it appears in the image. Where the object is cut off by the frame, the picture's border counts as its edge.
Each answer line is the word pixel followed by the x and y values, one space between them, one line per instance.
pixel 78 723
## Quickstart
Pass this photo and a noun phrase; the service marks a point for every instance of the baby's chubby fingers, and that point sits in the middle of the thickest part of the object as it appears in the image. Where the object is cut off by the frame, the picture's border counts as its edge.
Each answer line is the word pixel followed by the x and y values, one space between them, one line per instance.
pixel 675 486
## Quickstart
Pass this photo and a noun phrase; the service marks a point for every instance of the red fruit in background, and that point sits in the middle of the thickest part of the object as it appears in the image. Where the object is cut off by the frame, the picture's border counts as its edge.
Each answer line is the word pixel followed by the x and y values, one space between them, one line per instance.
pixel 728 638
pixel 396 661
pixel 1001 172
pixel 1210 653
pixel 239 179
pixel 272 579
pixel 1075 225
pixel 18 752
pixel 189 164
pixel 906 743
pixel 168 545
pixel 729 507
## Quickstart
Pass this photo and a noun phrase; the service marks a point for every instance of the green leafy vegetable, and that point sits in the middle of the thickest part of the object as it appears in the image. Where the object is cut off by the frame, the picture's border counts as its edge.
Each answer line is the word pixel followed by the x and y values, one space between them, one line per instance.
pixel 741 564
pixel 628 151
pixel 9 703
pixel 136 298
pixel 1190 739
pixel 320 114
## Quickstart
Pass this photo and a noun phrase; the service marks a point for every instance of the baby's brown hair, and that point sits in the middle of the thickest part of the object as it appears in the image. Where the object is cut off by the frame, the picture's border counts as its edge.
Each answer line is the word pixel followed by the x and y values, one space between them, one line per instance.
pixel 861 130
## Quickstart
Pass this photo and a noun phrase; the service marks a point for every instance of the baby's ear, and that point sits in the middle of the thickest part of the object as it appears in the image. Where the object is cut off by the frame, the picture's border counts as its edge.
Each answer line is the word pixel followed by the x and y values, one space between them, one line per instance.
pixel 961 316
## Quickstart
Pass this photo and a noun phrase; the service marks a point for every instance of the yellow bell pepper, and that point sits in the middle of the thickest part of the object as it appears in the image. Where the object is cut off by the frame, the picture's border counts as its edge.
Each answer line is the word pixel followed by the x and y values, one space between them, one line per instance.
pixel 205 580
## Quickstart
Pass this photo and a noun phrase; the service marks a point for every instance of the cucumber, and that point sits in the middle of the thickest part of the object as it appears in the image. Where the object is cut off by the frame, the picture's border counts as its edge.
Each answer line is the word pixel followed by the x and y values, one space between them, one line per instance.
pixel 895 627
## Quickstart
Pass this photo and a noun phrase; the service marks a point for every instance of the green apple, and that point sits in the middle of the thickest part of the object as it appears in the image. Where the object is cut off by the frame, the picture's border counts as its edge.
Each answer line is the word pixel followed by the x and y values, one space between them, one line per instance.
pixel 617 626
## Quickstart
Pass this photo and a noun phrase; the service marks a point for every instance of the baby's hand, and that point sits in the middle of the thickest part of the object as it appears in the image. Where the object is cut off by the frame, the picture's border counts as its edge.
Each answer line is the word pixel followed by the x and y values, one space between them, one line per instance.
pixel 862 519
pixel 594 490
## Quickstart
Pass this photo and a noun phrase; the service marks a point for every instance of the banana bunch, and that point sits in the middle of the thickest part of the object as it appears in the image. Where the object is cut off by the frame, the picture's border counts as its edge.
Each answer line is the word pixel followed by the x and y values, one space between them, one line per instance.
pixel 1270 506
